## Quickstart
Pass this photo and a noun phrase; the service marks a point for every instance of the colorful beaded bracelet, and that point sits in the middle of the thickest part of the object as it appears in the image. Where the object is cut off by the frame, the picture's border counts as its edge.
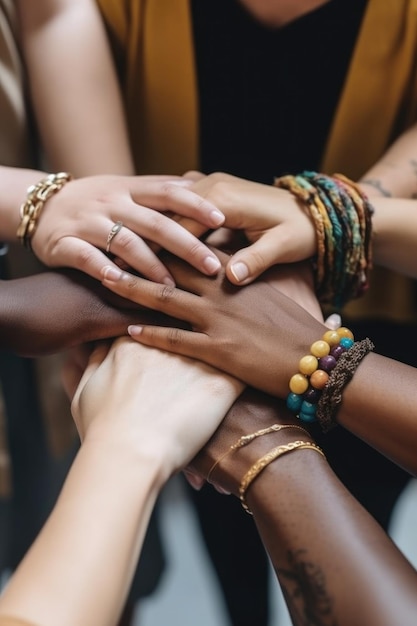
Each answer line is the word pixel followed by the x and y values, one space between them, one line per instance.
pixel 307 385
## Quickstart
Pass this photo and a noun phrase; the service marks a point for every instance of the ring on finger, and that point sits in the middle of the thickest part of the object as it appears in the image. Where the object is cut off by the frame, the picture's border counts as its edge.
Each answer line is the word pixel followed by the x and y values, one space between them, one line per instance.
pixel 116 228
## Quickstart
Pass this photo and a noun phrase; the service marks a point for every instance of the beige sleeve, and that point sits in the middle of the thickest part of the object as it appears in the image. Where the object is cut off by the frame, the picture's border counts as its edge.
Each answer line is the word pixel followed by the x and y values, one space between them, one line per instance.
pixel 14 120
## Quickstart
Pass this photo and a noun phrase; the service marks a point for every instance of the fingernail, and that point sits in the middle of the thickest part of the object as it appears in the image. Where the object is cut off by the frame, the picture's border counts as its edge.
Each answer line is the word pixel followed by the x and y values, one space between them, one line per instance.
pixel 168 281
pixel 134 331
pixel 239 271
pixel 221 490
pixel 211 264
pixel 111 273
pixel 217 218
pixel 334 321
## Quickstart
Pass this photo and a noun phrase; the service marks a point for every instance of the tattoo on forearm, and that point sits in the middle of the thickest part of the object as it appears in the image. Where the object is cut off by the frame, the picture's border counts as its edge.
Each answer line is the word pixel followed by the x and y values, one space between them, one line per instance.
pixel 304 587
pixel 374 182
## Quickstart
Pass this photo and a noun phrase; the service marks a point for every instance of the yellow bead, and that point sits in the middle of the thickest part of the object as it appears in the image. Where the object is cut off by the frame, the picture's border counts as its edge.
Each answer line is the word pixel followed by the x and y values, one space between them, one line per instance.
pixel 298 383
pixel 319 379
pixel 331 337
pixel 308 364
pixel 320 348
pixel 344 332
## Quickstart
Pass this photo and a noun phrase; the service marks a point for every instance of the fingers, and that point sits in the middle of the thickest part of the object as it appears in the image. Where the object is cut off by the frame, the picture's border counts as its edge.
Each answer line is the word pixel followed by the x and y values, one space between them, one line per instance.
pixel 168 234
pixel 163 298
pixel 175 196
pixel 183 342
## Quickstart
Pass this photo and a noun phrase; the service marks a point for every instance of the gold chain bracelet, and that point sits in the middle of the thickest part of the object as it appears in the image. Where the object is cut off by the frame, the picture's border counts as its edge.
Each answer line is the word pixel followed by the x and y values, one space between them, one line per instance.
pixel 31 209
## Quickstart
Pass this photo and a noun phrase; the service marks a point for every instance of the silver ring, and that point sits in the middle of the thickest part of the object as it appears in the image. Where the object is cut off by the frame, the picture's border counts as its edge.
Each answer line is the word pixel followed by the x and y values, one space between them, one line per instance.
pixel 116 228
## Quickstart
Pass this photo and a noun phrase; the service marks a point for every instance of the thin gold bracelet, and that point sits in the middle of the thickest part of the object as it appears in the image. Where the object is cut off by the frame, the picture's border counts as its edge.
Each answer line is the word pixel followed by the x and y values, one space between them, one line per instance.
pixel 246 439
pixel 31 209
pixel 265 460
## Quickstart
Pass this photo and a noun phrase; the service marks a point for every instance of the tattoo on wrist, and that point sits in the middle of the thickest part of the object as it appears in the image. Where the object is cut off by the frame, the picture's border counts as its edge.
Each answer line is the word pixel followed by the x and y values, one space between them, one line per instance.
pixel 303 584
pixel 374 182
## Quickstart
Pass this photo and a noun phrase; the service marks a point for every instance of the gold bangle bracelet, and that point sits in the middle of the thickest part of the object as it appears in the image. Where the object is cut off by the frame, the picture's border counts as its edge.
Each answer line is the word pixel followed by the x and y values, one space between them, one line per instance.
pixel 265 460
pixel 31 209
pixel 246 439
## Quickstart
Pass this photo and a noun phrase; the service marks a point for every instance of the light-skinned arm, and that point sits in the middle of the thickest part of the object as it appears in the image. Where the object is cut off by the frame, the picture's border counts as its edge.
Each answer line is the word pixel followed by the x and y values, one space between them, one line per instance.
pixel 74 87
pixel 141 415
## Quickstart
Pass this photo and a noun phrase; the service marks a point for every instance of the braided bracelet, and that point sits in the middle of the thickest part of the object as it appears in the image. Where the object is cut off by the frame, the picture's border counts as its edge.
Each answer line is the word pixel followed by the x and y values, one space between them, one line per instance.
pixel 341 215
pixel 246 439
pixel 342 373
pixel 265 460
pixel 31 209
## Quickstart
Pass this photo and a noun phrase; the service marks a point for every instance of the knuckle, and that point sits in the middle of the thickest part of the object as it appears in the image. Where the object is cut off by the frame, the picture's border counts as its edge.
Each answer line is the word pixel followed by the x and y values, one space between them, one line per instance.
pixel 166 293
pixel 174 336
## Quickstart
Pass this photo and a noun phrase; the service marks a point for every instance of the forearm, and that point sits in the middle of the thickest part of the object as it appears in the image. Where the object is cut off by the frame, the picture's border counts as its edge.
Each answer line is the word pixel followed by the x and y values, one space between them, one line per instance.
pixel 53 311
pixel 395 174
pixel 395 234
pixel 334 563
pixel 378 406
pixel 79 569
pixel 74 87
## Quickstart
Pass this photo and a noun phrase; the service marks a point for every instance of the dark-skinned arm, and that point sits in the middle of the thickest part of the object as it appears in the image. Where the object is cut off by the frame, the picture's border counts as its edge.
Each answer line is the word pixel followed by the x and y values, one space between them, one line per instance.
pixel 53 311
pixel 335 565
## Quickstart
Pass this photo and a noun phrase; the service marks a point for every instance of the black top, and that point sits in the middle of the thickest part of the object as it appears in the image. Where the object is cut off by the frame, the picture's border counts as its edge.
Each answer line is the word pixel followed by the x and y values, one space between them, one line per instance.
pixel 267 96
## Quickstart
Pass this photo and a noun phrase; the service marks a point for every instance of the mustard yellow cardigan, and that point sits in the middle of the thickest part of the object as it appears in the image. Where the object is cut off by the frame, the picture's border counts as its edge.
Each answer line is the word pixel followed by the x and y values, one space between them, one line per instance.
pixel 153 46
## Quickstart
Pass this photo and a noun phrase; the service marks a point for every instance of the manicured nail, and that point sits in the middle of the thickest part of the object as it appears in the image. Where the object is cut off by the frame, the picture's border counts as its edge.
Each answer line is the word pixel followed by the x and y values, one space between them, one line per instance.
pixel 111 273
pixel 168 281
pixel 217 218
pixel 134 330
pixel 334 321
pixel 221 490
pixel 211 264
pixel 239 271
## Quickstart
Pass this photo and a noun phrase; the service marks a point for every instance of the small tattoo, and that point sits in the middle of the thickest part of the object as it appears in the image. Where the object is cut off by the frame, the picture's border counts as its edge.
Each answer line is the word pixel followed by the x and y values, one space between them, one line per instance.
pixel 373 182
pixel 304 587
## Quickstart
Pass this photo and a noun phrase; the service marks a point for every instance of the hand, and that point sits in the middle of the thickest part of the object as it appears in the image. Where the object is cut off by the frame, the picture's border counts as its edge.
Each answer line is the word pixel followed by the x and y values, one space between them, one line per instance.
pixel 256 334
pixel 164 405
pixel 74 225
pixel 52 311
pixel 276 225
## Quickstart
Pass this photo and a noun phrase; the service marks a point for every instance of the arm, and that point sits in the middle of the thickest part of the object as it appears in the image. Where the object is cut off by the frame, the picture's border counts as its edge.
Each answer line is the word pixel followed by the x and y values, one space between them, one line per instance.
pixel 74 87
pixel 135 411
pixel 259 335
pixel 53 311
pixel 334 563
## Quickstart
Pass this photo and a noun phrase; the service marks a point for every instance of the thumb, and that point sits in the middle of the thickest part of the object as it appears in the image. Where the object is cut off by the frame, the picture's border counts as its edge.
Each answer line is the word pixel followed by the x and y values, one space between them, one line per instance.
pixel 248 263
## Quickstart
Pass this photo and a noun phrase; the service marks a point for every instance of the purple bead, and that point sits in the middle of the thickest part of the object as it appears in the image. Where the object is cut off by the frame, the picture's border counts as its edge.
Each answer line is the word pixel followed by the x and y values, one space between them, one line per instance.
pixel 327 363
pixel 337 351
pixel 312 395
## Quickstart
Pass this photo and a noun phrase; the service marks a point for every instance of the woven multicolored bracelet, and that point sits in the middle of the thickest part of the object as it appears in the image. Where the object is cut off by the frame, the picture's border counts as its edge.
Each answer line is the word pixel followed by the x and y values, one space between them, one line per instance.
pixel 341 214
pixel 307 385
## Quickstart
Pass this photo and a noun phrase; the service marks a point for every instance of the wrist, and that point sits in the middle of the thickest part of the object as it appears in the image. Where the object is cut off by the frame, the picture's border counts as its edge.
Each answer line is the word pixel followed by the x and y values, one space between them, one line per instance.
pixel 129 456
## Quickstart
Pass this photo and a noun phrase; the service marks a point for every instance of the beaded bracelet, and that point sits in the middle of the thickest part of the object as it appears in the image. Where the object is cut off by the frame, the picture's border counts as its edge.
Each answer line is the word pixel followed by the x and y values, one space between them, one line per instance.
pixel 341 214
pixel 265 460
pixel 31 209
pixel 314 372
pixel 246 439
